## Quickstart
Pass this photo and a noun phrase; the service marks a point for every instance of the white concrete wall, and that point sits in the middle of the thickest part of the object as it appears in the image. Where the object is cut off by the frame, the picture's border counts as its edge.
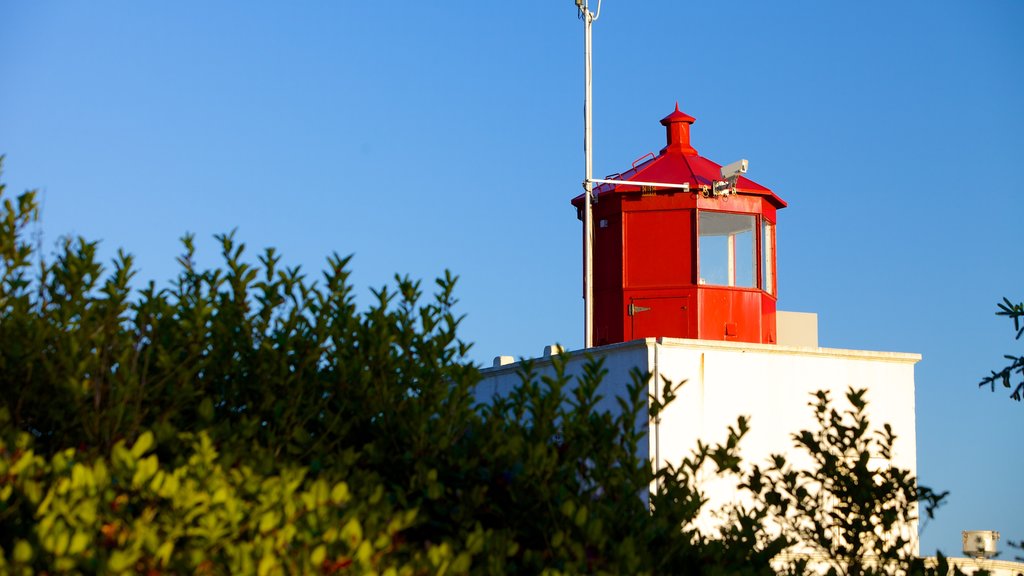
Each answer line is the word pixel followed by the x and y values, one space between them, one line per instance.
pixel 619 360
pixel 992 567
pixel 770 384
pixel 773 386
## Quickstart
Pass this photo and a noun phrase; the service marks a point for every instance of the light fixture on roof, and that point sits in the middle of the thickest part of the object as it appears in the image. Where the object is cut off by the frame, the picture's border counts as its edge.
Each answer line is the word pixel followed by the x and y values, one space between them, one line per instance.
pixel 730 174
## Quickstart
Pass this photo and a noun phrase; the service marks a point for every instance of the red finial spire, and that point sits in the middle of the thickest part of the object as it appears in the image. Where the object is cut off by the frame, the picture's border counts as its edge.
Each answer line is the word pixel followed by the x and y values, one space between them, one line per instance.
pixel 677 133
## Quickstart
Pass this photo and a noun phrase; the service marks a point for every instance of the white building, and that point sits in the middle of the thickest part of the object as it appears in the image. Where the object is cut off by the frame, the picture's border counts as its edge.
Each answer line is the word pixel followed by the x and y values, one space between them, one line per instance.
pixel 684 287
pixel 771 384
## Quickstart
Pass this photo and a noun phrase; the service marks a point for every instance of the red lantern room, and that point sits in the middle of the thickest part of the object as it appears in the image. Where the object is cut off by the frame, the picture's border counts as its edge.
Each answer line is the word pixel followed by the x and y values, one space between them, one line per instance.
pixel 683 249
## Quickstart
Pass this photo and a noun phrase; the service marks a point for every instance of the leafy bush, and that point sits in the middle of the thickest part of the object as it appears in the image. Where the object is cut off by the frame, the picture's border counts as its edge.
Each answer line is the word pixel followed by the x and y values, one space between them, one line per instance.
pixel 850 507
pixel 1005 375
pixel 130 513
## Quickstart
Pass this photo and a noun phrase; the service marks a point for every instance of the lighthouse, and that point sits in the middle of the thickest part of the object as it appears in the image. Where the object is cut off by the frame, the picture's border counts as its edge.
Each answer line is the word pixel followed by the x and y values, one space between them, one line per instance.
pixel 685 290
pixel 683 248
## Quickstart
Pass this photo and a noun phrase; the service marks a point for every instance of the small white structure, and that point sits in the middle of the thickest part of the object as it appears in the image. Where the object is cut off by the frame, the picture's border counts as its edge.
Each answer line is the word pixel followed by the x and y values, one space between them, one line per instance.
pixel 981 547
pixel 981 544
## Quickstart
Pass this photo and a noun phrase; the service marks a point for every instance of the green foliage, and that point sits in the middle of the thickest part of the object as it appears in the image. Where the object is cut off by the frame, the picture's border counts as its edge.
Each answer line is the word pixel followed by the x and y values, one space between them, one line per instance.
pixel 849 506
pixel 1005 375
pixel 131 513
pixel 248 419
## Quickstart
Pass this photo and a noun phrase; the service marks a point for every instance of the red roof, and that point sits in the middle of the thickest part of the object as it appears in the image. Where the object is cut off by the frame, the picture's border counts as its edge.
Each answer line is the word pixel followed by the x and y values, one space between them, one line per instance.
pixel 679 163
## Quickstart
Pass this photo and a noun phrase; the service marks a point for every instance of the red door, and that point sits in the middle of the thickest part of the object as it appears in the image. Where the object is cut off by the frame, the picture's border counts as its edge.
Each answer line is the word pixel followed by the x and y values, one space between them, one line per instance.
pixel 660 317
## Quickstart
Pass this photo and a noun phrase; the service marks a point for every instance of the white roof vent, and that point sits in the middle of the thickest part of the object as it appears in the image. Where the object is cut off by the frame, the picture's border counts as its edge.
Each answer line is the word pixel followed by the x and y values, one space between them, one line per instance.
pixel 553 350
pixel 980 544
pixel 503 361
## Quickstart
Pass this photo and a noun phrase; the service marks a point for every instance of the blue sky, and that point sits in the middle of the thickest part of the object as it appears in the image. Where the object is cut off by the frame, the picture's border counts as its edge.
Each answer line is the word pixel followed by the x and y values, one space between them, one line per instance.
pixel 424 136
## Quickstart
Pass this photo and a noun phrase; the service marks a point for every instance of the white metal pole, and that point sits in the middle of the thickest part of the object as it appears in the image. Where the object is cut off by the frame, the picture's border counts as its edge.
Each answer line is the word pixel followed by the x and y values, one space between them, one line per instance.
pixel 588 185
pixel 685 186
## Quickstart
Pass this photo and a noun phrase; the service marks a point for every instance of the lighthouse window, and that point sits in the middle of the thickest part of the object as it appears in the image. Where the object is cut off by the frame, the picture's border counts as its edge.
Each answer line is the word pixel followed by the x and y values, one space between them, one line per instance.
pixel 768 249
pixel 727 249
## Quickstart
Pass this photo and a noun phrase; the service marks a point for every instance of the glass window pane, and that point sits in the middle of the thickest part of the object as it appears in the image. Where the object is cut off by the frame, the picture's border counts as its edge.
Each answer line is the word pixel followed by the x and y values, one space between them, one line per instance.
pixel 768 265
pixel 714 260
pixel 727 249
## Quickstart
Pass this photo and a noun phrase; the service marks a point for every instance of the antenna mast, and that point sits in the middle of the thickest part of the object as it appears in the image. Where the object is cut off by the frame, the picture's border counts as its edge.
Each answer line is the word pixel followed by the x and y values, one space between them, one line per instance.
pixel 588 18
